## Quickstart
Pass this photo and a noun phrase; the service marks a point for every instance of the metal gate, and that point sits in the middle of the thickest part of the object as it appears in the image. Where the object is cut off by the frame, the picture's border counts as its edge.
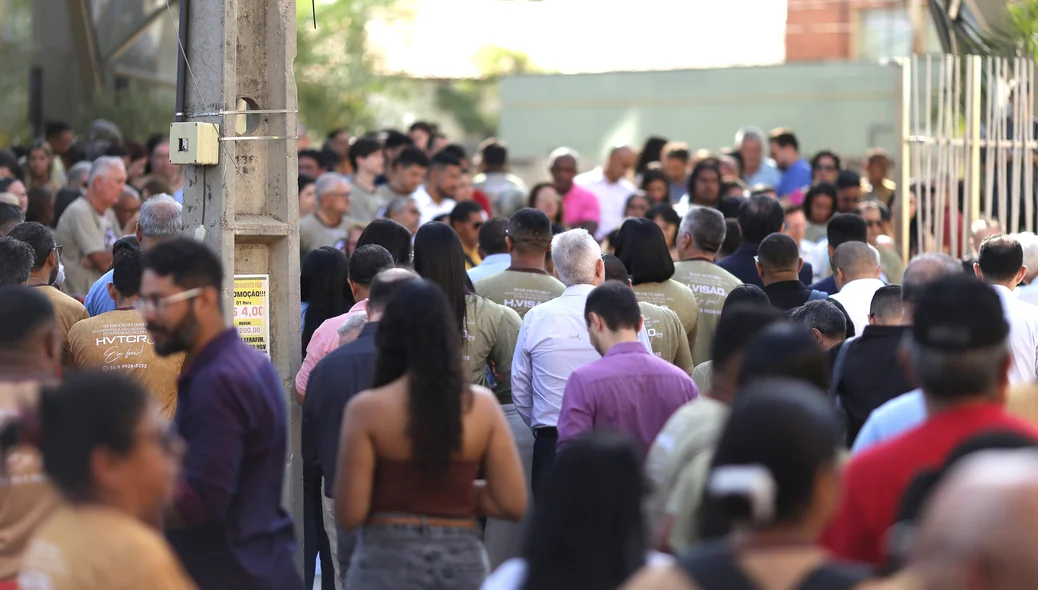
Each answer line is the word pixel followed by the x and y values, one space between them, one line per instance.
pixel 968 150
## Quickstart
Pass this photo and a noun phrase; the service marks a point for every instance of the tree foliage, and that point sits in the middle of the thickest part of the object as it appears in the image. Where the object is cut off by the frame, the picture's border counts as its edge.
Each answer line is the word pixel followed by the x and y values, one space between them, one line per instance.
pixel 335 68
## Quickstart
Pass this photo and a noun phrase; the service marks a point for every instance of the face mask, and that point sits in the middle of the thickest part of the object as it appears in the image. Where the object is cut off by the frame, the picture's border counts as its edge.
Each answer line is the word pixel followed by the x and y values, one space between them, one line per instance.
pixel 59 277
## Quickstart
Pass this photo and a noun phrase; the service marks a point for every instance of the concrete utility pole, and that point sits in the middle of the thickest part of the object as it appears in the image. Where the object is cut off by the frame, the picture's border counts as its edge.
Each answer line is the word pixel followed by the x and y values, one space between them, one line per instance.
pixel 246 207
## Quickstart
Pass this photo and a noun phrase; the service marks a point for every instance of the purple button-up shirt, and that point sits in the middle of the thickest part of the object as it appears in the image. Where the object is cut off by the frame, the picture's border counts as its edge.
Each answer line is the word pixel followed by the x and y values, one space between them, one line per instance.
pixel 628 390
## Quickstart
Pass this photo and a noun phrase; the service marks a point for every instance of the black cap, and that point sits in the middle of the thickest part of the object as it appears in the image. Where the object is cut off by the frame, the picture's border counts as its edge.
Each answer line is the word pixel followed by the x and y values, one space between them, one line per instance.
pixel 848 179
pixel 957 313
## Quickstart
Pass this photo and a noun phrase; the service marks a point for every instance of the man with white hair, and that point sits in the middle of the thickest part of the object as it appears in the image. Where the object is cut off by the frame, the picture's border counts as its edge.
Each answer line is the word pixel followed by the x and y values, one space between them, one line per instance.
pixel 756 168
pixel 553 341
pixel 160 219
pixel 328 225
pixel 87 229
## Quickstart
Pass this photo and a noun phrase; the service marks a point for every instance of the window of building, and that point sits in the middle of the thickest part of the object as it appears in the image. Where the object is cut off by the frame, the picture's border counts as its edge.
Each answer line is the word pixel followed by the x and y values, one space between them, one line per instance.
pixel 887 32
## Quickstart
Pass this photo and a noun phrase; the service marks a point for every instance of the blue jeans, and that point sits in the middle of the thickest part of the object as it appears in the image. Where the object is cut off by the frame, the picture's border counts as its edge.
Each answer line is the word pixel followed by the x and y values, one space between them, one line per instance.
pixel 417 557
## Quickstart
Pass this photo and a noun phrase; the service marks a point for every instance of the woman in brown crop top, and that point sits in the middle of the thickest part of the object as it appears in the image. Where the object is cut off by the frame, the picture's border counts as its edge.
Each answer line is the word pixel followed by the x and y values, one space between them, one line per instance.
pixel 410 450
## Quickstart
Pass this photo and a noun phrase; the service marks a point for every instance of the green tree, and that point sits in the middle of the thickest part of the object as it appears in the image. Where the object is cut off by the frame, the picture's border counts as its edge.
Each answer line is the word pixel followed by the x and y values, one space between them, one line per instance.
pixel 336 71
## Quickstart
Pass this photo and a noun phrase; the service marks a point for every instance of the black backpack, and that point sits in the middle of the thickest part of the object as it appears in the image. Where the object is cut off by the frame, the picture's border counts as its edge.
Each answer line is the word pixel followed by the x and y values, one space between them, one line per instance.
pixel 712 566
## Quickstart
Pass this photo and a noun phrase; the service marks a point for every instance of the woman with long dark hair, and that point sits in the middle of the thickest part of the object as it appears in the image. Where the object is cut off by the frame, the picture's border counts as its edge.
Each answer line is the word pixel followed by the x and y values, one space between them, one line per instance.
pixel 704 184
pixel 544 197
pixel 774 484
pixel 411 449
pixel 390 235
pixel 108 451
pixel 819 207
pixel 324 289
pixel 652 151
pixel 490 330
pixel 587 532
pixel 643 249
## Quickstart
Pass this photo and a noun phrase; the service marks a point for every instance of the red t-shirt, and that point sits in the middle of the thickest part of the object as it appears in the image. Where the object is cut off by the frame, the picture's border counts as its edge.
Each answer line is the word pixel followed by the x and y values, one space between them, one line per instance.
pixel 875 480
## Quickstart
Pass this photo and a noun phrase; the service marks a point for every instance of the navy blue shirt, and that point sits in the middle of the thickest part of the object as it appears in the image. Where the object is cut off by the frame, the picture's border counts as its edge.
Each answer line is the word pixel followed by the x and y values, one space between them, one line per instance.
pixel 742 265
pixel 828 284
pixel 344 373
pixel 231 411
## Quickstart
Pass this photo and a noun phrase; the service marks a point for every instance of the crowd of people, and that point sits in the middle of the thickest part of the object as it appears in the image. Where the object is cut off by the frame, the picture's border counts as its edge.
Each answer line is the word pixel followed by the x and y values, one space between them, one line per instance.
pixel 677 370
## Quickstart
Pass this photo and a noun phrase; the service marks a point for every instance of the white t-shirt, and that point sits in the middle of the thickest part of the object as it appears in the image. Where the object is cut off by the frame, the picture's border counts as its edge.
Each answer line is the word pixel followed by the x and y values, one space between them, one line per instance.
pixel 511 574
pixel 612 196
pixel 428 209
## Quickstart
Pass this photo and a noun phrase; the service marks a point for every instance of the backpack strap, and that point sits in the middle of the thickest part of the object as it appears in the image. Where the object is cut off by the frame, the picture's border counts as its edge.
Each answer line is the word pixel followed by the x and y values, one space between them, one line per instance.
pixel 835 576
pixel 712 566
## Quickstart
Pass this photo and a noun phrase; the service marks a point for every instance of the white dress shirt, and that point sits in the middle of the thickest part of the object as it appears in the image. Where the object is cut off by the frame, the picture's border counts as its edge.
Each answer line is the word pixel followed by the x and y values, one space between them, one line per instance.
pixel 1028 293
pixel 1023 336
pixel 553 341
pixel 428 209
pixel 856 298
pixel 612 197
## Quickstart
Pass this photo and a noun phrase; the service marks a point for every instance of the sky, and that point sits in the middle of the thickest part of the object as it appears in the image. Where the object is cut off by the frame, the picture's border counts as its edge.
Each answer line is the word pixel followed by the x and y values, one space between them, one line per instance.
pixel 438 38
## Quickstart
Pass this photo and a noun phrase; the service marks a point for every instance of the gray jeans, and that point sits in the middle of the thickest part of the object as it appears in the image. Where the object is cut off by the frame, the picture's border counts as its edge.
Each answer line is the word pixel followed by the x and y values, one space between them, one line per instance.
pixel 504 538
pixel 417 557
pixel 341 543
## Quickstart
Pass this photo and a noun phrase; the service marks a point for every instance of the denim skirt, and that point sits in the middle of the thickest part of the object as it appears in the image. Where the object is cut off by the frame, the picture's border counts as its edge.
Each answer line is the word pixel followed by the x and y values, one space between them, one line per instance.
pixel 417 556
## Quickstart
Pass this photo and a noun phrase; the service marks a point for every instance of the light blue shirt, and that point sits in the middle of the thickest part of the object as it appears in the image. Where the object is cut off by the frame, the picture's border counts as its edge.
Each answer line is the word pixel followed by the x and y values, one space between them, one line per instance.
pixel 491 265
pixel 178 196
pixel 796 176
pixel 898 415
pixel 98 301
pixel 767 174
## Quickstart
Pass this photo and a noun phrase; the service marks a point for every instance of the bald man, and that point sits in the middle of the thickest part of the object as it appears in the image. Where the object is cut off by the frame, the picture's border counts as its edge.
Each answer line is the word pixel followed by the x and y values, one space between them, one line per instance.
pixel 857 278
pixel 981 527
pixel 609 183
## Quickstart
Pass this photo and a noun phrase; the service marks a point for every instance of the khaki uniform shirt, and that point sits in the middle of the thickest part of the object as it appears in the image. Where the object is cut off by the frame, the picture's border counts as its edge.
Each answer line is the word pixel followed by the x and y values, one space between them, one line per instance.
pixel 99 547
pixel 490 334
pixel 691 431
pixel 711 285
pixel 520 289
pixel 667 336
pixel 83 231
pixel 891 264
pixel 384 194
pixel 364 206
pixel 67 311
pixel 314 234
pixel 118 341
pixel 26 497
pixel 677 298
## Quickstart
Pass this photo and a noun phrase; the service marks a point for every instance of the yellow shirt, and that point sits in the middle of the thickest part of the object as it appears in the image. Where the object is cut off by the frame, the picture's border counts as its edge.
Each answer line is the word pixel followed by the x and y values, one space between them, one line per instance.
pixel 472 258
pixel 94 547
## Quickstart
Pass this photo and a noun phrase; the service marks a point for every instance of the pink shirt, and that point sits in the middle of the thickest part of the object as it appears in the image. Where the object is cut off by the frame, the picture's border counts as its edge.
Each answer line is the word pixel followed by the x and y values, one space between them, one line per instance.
pixel 580 205
pixel 324 340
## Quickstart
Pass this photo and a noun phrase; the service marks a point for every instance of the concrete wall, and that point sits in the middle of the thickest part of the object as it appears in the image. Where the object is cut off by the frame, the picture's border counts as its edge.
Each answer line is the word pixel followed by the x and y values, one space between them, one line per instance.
pixel 846 107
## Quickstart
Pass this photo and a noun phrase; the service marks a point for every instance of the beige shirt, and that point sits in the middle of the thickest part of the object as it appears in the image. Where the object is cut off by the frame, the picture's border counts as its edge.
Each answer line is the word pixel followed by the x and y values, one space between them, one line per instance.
pixel 364 206
pixel 692 430
pixel 890 262
pixel 67 311
pixel 26 497
pixel 490 334
pixel 520 289
pixel 711 285
pixel 667 336
pixel 83 231
pixel 677 298
pixel 314 234
pixel 94 547
pixel 119 341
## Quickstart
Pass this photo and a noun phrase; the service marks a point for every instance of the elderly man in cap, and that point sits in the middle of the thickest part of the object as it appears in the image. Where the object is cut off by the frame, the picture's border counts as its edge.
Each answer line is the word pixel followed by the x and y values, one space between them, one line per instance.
pixel 959 352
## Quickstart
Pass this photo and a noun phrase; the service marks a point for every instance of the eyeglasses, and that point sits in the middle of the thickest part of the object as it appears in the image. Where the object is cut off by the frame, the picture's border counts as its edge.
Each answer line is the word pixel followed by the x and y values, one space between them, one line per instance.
pixel 873 223
pixel 345 194
pixel 159 304
pixel 826 167
pixel 57 248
